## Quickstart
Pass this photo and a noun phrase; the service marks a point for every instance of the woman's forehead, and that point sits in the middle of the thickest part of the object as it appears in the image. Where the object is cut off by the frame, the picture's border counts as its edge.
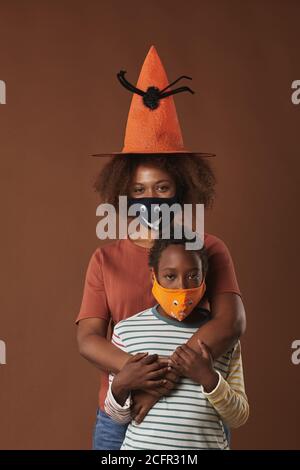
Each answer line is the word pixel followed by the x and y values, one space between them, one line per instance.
pixel 147 172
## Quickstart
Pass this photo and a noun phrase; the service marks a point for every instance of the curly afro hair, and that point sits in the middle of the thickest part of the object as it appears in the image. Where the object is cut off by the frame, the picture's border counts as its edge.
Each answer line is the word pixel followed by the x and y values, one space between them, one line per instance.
pixel 194 179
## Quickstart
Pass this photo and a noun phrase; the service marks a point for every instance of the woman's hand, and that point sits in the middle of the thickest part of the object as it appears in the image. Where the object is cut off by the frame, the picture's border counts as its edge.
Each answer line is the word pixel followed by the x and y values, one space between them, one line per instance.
pixel 171 380
pixel 198 366
pixel 141 371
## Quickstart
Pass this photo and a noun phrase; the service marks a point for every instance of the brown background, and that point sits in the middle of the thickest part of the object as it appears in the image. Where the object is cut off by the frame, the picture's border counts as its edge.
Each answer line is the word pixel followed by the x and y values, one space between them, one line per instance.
pixel 59 60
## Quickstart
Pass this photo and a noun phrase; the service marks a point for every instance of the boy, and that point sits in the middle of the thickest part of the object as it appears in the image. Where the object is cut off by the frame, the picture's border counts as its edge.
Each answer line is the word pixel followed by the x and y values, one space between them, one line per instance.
pixel 191 416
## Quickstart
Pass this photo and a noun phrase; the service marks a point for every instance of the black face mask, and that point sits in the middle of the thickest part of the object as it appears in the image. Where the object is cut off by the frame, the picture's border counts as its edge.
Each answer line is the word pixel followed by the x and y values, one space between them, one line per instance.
pixel 148 209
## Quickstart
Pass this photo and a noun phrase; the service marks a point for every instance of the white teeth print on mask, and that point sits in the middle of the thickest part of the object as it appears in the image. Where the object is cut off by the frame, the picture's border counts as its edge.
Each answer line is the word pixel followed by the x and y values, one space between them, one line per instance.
pixel 148 210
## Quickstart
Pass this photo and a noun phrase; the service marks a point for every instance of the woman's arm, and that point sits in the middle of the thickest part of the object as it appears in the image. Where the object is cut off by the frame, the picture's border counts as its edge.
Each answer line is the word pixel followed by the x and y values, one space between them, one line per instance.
pixel 93 345
pixel 227 324
pixel 220 333
pixel 93 321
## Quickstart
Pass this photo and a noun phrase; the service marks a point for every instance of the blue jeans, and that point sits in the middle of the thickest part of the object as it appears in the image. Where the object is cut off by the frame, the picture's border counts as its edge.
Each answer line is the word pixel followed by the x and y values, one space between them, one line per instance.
pixel 109 435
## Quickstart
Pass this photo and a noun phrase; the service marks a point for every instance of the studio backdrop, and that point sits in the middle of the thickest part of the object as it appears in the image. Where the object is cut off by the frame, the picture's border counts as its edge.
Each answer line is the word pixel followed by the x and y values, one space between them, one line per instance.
pixel 60 102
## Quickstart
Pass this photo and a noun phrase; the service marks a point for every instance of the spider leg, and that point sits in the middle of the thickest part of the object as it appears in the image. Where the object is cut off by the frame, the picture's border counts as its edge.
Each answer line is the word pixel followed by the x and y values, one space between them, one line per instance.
pixel 177 90
pixel 126 84
pixel 173 83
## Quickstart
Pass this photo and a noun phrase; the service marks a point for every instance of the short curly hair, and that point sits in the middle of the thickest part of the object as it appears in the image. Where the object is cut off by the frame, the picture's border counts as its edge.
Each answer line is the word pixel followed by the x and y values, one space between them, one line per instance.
pixel 193 176
pixel 160 244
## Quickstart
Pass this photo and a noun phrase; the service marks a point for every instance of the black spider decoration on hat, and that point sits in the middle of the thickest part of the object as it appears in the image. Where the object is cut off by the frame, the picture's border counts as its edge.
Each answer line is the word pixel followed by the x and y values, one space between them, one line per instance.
pixel 153 95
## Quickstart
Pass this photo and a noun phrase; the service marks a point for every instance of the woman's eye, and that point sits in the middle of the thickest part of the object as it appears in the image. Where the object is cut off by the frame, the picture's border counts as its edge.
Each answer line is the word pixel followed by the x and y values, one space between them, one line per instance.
pixel 194 277
pixel 170 277
pixel 138 190
pixel 162 189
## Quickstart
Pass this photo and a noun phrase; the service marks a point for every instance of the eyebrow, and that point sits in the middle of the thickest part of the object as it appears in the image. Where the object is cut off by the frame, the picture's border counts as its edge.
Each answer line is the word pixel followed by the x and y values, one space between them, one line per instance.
pixel 157 182
pixel 175 269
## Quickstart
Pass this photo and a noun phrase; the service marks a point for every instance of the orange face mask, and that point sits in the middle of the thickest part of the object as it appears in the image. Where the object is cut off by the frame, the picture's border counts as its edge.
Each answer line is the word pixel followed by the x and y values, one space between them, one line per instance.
pixel 178 303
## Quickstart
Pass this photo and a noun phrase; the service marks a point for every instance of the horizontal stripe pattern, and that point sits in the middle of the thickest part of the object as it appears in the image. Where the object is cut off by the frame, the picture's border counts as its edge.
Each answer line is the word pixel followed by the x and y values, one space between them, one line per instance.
pixel 188 418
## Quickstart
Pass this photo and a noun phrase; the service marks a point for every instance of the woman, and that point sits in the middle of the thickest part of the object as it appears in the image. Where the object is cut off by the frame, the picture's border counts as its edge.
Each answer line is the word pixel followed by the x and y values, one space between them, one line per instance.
pixel 118 290
pixel 153 164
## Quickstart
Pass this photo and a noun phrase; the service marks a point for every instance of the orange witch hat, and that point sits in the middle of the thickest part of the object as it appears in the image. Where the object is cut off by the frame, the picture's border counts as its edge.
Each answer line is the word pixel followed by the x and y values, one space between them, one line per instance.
pixel 152 123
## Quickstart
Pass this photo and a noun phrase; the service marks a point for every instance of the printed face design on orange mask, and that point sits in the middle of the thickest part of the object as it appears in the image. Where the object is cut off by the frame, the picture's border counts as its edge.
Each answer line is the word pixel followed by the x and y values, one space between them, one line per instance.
pixel 178 303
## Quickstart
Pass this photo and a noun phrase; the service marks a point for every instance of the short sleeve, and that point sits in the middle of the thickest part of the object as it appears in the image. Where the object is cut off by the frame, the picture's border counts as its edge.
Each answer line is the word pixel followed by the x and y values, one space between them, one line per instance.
pixel 94 301
pixel 117 338
pixel 221 275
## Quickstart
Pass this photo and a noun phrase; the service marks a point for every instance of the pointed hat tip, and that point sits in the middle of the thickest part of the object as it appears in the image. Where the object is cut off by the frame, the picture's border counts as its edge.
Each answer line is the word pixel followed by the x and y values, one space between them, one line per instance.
pixel 152 50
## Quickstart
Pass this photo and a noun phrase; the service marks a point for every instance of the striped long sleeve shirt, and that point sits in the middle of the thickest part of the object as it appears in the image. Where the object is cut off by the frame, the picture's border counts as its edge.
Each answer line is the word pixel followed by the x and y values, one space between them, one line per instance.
pixel 188 418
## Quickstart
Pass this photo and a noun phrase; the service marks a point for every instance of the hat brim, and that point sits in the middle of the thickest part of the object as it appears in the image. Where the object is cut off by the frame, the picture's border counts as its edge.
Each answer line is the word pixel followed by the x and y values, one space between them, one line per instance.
pixel 179 153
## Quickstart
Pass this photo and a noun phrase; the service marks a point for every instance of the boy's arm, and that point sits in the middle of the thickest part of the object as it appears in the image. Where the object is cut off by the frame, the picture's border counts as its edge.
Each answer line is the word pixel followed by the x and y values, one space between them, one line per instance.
pixel 229 398
pixel 118 411
pixel 118 406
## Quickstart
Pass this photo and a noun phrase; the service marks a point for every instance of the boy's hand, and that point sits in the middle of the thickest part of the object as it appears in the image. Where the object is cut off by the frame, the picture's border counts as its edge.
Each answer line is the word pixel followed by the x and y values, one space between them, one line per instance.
pixel 198 366
pixel 142 404
pixel 144 400
pixel 141 371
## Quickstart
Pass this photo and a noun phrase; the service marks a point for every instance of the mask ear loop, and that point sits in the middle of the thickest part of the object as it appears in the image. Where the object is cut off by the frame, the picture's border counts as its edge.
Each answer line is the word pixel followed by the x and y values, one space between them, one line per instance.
pixel 153 277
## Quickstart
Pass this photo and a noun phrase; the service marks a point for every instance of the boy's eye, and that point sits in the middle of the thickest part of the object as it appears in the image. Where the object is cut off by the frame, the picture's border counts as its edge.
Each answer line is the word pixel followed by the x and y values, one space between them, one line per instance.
pixel 195 277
